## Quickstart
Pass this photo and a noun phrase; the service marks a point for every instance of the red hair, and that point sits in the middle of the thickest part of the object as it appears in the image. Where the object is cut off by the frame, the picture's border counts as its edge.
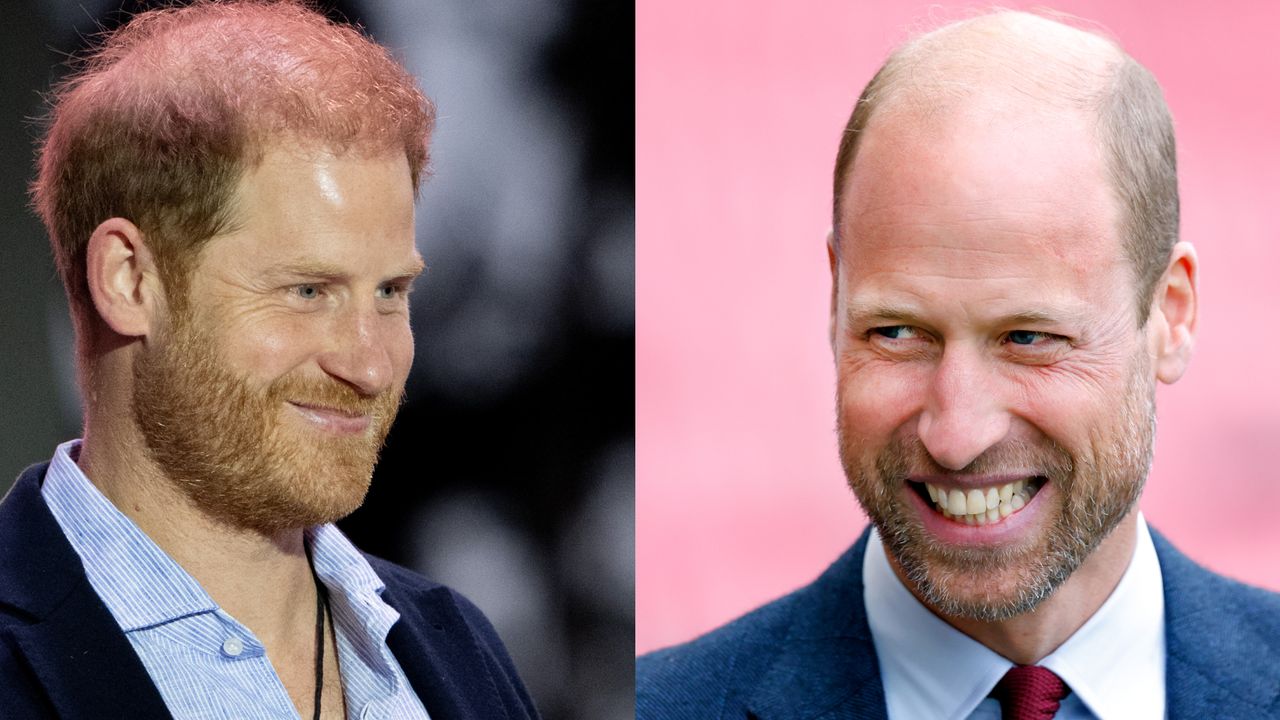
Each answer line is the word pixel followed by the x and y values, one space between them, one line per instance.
pixel 164 117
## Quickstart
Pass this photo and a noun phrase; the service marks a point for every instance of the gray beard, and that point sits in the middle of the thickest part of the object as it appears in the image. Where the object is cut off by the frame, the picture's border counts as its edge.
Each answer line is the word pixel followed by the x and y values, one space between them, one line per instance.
pixel 1096 494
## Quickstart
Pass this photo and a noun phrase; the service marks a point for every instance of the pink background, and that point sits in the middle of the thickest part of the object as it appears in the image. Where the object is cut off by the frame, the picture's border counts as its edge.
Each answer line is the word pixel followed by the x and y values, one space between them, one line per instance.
pixel 740 497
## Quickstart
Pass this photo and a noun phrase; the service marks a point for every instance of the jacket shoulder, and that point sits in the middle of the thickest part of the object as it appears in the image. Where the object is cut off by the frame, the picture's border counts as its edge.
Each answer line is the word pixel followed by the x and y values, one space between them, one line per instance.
pixel 408 583
pixel 425 605
pixel 1192 589
pixel 1219 632
pixel 695 679
pixel 1257 605
pixel 1244 618
pixel 807 654
pixel 400 576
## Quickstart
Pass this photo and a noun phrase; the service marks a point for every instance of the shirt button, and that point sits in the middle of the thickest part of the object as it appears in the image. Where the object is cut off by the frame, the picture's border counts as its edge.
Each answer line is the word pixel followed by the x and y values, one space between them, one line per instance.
pixel 232 646
pixel 368 713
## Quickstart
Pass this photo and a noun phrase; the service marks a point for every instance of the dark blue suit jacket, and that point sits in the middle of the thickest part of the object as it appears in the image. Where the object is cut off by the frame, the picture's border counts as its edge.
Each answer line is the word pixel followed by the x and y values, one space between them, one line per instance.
pixel 810 655
pixel 63 655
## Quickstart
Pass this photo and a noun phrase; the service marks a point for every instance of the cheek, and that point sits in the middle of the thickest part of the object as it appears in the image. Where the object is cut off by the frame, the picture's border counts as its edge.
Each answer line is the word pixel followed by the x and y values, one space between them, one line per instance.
pixel 878 398
pixel 271 349
pixel 1074 412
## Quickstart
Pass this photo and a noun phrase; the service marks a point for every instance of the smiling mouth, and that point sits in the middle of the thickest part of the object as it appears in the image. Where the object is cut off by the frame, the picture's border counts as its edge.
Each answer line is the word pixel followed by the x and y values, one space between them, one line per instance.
pixel 333 419
pixel 327 410
pixel 987 505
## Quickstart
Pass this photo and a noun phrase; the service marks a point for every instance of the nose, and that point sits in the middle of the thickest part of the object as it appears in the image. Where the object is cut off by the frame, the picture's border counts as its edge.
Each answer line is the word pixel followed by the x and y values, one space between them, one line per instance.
pixel 964 413
pixel 358 351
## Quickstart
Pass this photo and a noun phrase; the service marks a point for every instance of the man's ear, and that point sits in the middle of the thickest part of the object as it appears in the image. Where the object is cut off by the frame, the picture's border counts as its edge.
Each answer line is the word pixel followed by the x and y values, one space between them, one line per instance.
pixel 122 276
pixel 1172 325
pixel 834 261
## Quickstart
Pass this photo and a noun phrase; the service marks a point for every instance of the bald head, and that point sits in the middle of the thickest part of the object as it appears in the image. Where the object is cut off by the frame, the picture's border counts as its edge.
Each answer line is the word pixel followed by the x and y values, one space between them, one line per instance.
pixel 1023 59
pixel 1016 64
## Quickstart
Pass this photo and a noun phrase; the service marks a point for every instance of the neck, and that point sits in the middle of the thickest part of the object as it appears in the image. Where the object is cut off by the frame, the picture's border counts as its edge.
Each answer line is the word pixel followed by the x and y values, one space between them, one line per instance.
pixel 1029 638
pixel 263 581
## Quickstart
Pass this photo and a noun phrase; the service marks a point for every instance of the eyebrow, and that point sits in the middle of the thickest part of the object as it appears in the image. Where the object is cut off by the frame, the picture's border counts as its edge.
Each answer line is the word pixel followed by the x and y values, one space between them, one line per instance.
pixel 857 314
pixel 326 271
pixel 414 268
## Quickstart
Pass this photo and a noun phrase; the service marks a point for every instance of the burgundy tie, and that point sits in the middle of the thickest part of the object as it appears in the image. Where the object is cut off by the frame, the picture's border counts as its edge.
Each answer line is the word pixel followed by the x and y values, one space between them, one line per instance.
pixel 1029 692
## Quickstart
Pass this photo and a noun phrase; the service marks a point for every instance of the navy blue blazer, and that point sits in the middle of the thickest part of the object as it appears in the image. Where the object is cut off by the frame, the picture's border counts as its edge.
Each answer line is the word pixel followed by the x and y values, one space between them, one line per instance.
pixel 810 654
pixel 63 655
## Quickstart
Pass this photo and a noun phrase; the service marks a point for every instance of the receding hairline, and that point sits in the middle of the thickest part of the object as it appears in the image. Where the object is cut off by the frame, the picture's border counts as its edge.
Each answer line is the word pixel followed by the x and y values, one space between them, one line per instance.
pixel 159 122
pixel 251 54
pixel 1020 56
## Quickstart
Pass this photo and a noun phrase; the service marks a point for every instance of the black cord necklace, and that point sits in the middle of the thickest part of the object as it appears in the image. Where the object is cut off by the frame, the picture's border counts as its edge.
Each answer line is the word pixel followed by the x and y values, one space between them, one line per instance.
pixel 322 607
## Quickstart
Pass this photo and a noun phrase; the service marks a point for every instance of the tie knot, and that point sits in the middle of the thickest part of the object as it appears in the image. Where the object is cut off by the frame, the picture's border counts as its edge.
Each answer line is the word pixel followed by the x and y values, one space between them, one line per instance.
pixel 1029 692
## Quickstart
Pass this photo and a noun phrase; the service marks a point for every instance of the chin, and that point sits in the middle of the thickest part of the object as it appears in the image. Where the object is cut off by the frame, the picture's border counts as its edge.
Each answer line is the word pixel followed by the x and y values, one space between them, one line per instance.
pixel 1001 586
pixel 985 599
pixel 330 493
pixel 289 491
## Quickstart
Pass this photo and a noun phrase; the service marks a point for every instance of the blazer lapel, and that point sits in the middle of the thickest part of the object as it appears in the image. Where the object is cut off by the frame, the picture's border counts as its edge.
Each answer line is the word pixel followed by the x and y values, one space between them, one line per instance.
pixel 73 645
pixel 826 666
pixel 1221 651
pixel 87 672
pixel 438 652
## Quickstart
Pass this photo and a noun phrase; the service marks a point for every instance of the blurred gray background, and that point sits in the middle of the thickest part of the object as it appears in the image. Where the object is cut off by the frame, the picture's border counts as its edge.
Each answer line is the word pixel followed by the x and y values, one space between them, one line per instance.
pixel 509 473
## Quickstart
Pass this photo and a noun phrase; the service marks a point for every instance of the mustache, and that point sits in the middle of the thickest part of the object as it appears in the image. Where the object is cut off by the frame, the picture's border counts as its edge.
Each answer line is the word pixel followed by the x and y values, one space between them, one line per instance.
pixel 335 395
pixel 907 457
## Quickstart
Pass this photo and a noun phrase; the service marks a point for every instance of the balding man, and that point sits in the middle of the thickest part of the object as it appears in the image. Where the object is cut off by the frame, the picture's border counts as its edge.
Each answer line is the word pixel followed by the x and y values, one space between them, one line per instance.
pixel 229 191
pixel 1007 287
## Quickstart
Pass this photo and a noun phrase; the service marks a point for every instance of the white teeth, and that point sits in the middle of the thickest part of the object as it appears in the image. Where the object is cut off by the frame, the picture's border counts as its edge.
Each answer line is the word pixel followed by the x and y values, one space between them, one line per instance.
pixel 977 502
pixel 981 506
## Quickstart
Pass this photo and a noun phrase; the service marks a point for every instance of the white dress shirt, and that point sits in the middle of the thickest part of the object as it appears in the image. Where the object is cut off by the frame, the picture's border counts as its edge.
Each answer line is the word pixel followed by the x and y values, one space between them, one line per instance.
pixel 1114 664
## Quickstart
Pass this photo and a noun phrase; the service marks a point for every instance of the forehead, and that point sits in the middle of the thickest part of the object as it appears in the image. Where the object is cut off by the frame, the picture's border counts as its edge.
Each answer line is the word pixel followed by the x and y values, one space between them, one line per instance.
pixel 300 202
pixel 987 188
pixel 291 181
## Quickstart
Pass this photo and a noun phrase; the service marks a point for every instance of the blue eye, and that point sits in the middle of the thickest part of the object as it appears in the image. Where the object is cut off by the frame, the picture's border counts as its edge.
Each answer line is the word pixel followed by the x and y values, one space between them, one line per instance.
pixel 1024 337
pixel 308 292
pixel 895 332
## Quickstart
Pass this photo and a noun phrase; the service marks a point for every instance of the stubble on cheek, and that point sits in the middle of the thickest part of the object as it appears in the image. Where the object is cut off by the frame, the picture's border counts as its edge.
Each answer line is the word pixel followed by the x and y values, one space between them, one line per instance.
pixel 230 447
pixel 1095 488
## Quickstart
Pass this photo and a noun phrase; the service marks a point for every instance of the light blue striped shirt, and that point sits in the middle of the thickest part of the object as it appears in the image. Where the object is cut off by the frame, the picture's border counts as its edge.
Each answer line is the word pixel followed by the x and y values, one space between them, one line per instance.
pixel 205 664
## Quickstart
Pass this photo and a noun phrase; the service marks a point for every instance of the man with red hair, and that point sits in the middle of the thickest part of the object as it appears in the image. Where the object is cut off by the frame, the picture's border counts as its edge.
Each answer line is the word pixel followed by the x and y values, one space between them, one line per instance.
pixel 229 191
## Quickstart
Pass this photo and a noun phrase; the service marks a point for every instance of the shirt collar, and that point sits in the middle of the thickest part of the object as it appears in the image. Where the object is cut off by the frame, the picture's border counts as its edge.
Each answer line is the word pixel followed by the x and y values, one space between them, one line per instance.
pixel 355 595
pixel 1128 630
pixel 143 587
pixel 138 582
pixel 930 669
